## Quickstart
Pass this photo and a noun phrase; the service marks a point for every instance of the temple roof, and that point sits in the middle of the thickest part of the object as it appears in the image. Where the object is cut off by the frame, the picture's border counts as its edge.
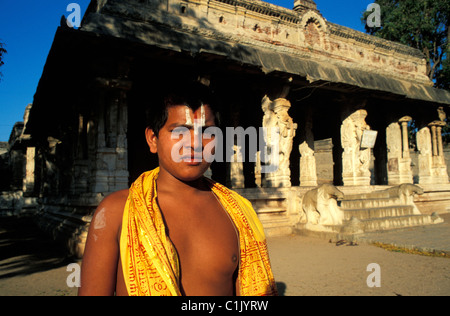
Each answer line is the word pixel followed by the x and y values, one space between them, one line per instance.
pixel 248 36
pixel 190 29
pixel 301 5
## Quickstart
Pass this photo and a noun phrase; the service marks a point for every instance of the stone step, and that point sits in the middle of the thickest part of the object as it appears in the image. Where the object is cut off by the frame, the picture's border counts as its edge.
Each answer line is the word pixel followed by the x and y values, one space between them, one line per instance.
pixel 362 203
pixel 275 221
pixel 270 210
pixel 379 212
pixel 379 224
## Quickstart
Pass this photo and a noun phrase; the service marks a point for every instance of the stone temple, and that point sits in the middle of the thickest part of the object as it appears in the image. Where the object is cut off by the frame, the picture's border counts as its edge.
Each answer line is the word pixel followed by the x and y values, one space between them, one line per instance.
pixel 344 103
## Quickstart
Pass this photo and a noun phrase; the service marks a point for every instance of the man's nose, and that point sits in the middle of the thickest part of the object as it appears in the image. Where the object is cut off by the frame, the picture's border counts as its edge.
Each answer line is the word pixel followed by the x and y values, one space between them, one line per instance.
pixel 196 141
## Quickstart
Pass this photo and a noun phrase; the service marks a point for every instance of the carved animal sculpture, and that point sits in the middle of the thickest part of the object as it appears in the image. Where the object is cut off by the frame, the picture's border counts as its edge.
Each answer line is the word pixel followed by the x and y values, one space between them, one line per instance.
pixel 407 190
pixel 320 206
pixel 405 193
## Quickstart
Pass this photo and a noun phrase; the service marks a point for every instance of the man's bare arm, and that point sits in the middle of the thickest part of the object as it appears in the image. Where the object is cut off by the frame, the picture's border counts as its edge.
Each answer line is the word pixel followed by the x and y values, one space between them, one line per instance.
pixel 101 256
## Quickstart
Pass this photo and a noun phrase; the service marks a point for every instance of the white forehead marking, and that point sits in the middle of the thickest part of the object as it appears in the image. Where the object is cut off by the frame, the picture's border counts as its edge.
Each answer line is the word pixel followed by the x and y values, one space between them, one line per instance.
pixel 200 123
pixel 203 116
pixel 188 116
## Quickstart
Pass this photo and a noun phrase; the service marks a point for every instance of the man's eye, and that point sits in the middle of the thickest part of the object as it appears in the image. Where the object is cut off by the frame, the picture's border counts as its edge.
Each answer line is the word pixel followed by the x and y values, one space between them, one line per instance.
pixel 210 132
pixel 180 130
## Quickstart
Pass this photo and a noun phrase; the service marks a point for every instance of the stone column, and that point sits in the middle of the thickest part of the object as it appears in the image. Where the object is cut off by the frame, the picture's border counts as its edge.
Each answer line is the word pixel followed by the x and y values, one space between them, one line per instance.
pixel 399 159
pixel 258 177
pixel 355 160
pixel 237 179
pixel 406 175
pixel 276 117
pixel 308 170
pixel 440 144
pixel 425 156
pixel 394 152
pixel 80 172
pixel 404 122
pixel 29 170
pixel 110 171
pixel 438 165
pixel 434 139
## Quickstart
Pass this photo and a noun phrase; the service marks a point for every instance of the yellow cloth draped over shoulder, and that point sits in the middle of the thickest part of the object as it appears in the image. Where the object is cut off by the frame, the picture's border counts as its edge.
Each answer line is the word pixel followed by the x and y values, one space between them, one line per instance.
pixel 150 262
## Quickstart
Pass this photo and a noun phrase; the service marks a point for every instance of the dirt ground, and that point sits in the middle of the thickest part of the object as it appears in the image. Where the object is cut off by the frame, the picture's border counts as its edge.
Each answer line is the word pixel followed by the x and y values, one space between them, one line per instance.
pixel 32 265
pixel 315 267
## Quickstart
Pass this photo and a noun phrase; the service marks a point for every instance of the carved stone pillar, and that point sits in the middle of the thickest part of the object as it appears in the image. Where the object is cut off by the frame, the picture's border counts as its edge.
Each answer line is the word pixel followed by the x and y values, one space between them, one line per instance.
pixel 237 179
pixel 258 177
pixel 110 171
pixel 276 117
pixel 29 170
pixel 399 159
pixel 434 140
pixel 80 167
pixel 438 165
pixel 425 156
pixel 308 170
pixel 404 122
pixel 355 160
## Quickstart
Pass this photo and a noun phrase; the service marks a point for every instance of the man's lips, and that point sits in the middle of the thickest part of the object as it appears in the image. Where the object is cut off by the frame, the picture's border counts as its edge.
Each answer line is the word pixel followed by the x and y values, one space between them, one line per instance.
pixel 192 159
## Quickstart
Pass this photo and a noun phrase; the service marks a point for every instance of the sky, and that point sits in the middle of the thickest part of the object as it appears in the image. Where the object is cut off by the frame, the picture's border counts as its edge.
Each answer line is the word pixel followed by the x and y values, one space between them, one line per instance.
pixel 27 29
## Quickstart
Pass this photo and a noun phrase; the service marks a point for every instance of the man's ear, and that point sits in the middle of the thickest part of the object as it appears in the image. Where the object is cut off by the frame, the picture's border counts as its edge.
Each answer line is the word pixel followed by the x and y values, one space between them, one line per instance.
pixel 151 138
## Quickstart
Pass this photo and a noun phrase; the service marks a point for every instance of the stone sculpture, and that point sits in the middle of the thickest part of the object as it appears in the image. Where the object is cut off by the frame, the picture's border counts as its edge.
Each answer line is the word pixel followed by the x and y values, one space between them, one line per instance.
pixel 355 160
pixel 308 173
pixel 276 116
pixel 320 207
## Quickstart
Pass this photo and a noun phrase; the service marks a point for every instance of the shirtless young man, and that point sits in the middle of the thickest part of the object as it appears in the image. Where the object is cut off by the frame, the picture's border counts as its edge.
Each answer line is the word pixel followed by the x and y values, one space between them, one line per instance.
pixel 210 242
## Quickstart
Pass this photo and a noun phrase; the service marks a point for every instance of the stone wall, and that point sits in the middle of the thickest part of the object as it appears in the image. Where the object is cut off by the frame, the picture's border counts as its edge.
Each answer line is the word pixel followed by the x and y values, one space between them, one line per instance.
pixel 415 161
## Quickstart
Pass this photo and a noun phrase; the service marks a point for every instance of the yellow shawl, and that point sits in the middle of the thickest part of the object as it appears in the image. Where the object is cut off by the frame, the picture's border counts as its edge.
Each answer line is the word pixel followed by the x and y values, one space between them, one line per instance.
pixel 150 262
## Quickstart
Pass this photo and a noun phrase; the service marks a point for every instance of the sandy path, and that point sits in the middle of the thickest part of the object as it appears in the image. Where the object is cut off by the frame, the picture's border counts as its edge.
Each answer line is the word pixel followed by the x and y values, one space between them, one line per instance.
pixel 309 266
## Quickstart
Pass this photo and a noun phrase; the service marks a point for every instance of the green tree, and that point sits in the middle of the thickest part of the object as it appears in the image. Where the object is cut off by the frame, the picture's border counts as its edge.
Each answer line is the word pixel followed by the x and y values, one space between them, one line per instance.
pixel 2 53
pixel 422 24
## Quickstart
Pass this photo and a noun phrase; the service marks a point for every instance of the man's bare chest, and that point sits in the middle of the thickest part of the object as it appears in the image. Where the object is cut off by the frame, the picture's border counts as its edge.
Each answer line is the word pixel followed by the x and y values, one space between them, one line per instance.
pixel 204 236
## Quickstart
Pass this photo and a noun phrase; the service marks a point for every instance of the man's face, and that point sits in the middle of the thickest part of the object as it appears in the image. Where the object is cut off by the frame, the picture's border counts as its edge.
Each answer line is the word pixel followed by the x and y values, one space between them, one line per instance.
pixel 181 143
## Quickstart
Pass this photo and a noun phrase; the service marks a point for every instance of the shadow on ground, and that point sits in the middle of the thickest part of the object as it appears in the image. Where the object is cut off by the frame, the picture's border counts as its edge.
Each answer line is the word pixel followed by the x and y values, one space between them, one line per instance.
pixel 281 287
pixel 24 249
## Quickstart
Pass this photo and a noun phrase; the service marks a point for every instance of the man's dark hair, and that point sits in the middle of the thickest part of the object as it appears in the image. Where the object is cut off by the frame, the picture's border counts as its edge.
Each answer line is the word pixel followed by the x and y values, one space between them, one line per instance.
pixel 192 95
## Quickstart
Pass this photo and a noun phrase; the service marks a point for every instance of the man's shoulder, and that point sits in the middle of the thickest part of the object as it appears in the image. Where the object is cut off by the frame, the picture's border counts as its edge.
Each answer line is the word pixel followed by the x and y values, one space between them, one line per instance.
pixel 112 206
pixel 118 196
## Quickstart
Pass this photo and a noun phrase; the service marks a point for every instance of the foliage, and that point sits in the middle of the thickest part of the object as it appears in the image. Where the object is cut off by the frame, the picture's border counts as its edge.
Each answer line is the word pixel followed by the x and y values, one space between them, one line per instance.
pixel 422 24
pixel 413 251
pixel 2 53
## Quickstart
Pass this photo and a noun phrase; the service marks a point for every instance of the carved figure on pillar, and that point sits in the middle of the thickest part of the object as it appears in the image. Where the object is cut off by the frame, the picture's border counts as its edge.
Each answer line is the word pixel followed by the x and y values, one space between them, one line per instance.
pixel 355 161
pixel 439 166
pixel 432 167
pixel 425 155
pixel 110 172
pixel 308 172
pixel 399 160
pixel 237 180
pixel 276 116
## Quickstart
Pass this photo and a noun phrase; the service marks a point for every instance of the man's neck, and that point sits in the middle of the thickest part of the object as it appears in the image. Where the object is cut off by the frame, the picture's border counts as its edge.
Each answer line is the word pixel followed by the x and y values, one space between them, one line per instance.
pixel 168 183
